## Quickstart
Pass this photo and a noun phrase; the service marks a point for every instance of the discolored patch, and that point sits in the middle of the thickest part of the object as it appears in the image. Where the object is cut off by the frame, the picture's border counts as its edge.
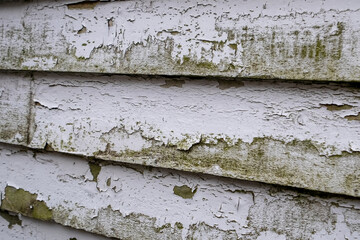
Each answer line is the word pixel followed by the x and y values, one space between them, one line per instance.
pixel 26 203
pixel 353 117
pixel 12 219
pixel 95 170
pixel 335 107
pixel 82 30
pixel 184 191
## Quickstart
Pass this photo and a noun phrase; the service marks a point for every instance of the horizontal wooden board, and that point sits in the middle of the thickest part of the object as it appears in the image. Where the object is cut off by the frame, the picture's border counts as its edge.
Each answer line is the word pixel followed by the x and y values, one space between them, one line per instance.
pixel 300 40
pixel 138 202
pixel 288 133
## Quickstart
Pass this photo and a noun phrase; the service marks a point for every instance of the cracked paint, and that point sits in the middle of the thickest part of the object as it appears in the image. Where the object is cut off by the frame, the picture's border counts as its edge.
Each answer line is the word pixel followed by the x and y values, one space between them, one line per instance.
pixel 184 191
pixel 221 207
pixel 353 117
pixel 33 229
pixel 288 40
pixel 12 219
pixel 287 133
pixel 26 203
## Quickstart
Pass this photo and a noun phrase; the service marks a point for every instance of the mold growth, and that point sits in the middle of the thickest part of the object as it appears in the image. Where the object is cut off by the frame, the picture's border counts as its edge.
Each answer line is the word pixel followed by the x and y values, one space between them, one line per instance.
pixel 12 219
pixel 113 223
pixel 184 191
pixel 26 203
pixel 95 170
pixel 291 215
pixel 251 161
pixel 335 107
pixel 202 230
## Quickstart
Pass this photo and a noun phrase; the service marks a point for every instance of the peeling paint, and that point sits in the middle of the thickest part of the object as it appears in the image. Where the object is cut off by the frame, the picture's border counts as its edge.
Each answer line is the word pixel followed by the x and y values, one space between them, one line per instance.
pixel 255 162
pixel 222 208
pixel 335 107
pixel 95 170
pixel 11 218
pixel 33 229
pixel 238 132
pixel 26 203
pixel 292 40
pixel 82 30
pixel 353 117
pixel 184 191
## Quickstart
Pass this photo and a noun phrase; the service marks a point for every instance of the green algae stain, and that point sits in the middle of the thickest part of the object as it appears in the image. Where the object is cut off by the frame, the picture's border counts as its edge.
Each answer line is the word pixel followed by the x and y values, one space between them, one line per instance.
pixel 201 65
pixel 335 107
pixel 234 47
pixel 207 65
pixel 353 117
pixel 264 159
pixel 26 203
pixel 320 50
pixel 184 191
pixel 179 225
pixel 12 219
pixel 303 51
pixel 95 170
pixel 160 229
pixel 108 182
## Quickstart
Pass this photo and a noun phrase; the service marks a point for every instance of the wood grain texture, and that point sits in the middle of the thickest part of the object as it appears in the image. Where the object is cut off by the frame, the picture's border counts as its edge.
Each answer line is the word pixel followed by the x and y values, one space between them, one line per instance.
pixel 288 133
pixel 287 39
pixel 137 202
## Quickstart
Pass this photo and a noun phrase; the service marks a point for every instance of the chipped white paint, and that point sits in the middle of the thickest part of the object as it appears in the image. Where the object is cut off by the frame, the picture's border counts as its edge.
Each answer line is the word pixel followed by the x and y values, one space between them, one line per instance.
pixel 32 229
pixel 288 39
pixel 179 112
pixel 134 202
pixel 297 134
pixel 14 108
pixel 294 134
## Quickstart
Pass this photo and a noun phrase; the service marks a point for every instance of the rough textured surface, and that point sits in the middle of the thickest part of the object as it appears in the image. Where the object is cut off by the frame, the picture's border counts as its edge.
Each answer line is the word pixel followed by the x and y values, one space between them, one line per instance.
pixel 213 113
pixel 31 229
pixel 137 202
pixel 18 200
pixel 288 39
pixel 293 134
pixel 15 97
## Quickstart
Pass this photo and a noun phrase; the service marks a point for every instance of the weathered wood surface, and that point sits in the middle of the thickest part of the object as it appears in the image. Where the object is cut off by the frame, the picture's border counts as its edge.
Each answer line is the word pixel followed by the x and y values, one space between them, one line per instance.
pixel 13 226
pixel 136 202
pixel 294 134
pixel 301 40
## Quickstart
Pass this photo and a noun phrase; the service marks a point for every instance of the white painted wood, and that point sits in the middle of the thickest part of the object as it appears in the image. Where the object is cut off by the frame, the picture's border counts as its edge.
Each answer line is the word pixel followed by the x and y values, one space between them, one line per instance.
pixel 287 39
pixel 32 229
pixel 136 202
pixel 293 134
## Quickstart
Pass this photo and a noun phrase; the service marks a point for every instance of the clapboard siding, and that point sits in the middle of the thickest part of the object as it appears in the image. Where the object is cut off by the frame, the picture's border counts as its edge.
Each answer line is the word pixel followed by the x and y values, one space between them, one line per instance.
pixel 288 133
pixel 300 40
